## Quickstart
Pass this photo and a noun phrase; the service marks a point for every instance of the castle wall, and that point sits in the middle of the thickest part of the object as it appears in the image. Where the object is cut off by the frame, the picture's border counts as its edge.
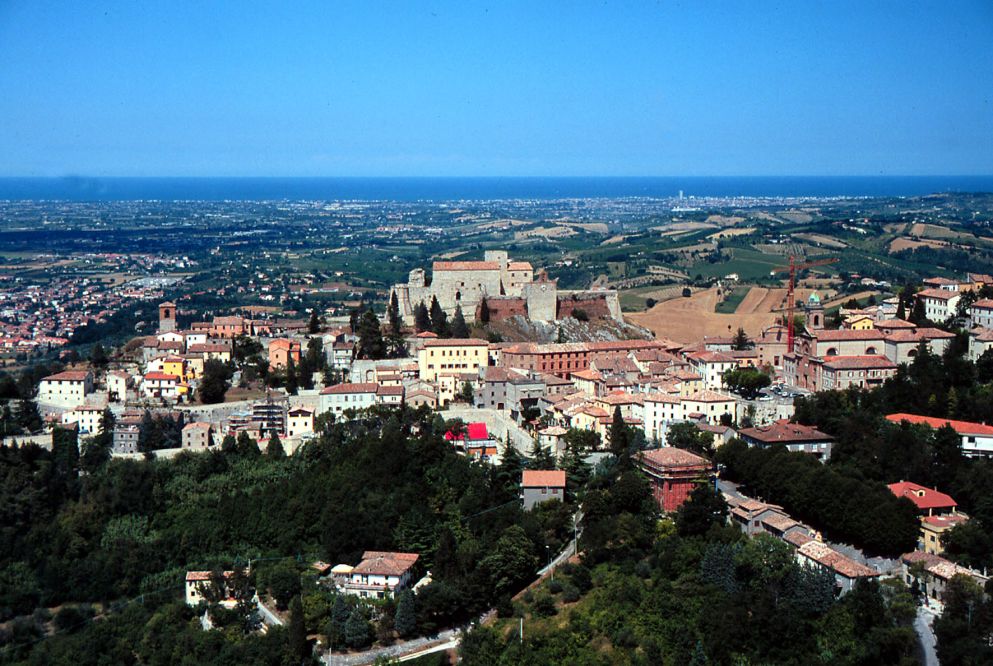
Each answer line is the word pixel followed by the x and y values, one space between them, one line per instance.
pixel 595 304
pixel 504 307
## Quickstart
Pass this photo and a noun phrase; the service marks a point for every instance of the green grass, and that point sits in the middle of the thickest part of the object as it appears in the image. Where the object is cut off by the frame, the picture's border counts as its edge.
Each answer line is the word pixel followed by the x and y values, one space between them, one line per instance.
pixel 734 299
pixel 749 264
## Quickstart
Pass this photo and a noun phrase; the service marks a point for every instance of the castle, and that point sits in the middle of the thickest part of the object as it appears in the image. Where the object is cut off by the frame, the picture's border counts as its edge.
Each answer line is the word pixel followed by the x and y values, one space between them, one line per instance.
pixel 508 287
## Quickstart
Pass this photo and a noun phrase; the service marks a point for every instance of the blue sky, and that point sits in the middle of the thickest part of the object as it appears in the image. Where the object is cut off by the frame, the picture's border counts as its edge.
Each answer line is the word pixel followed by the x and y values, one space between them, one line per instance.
pixel 495 89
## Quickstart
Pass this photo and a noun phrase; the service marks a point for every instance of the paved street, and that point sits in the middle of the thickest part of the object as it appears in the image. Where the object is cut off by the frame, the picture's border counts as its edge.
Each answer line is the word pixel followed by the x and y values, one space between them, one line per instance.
pixel 925 634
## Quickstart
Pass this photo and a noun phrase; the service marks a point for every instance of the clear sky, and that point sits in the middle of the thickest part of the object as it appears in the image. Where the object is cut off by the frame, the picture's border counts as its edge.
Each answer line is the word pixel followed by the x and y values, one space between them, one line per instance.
pixel 239 88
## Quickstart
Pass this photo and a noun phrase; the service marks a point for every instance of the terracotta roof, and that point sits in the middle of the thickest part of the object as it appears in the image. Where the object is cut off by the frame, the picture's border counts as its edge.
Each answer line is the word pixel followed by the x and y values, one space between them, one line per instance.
pixel 671 456
pixel 385 564
pixel 456 342
pixel 894 324
pixel 349 387
pixel 785 432
pixel 300 411
pixel 68 376
pixel 389 390
pixel 938 294
pixel 867 362
pixel 961 427
pixel 844 334
pixel 198 425
pixel 917 335
pixel 832 559
pixel 984 304
pixel 161 377
pixel 540 478
pixel 520 266
pixel 945 521
pixel 924 498
pixel 204 575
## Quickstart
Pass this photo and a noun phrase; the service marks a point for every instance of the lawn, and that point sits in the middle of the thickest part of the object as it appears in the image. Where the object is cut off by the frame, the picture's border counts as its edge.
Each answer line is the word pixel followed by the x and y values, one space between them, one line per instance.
pixel 733 300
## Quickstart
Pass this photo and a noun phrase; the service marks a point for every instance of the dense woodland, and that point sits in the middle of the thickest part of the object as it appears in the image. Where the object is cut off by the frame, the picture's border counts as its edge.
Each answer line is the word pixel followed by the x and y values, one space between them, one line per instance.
pixel 115 540
pixel 691 591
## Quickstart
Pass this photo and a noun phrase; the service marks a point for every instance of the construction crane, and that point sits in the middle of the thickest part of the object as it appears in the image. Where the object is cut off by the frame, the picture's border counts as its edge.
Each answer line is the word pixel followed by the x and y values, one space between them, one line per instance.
pixel 793 268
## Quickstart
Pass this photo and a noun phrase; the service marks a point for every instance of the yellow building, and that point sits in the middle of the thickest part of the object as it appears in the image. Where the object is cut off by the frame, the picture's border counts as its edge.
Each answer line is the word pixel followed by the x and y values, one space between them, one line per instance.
pixel 454 356
pixel 860 323
pixel 174 365
pixel 932 527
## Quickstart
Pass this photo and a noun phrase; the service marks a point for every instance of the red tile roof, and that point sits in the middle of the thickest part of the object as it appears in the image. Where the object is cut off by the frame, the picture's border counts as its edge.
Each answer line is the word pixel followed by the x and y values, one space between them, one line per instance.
pixel 671 456
pixel 457 342
pixel 540 478
pixel 785 432
pixel 160 377
pixel 923 498
pixel 867 362
pixel 68 376
pixel 961 427
pixel 350 387
pixel 385 564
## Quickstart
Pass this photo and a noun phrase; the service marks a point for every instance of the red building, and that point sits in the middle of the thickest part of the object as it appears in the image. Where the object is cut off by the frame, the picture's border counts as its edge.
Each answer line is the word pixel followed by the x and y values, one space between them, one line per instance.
pixel 673 473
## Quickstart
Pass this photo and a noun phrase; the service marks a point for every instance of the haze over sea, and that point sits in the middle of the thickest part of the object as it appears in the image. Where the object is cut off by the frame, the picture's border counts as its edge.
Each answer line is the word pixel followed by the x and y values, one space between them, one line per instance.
pixel 453 189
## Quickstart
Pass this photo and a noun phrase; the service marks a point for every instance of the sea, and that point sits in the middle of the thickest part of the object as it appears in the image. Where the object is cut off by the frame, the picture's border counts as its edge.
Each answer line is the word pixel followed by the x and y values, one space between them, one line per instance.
pixel 79 188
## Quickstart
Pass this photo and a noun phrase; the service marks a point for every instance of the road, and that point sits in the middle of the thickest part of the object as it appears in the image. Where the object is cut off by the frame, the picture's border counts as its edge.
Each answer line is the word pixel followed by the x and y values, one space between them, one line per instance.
pixel 925 635
pixel 443 640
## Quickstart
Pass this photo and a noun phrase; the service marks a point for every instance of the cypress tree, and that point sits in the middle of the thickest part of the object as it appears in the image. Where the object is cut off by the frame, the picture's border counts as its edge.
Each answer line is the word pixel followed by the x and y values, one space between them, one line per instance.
pixel 297 639
pixel 422 320
pixel 292 385
pixel 439 320
pixel 393 314
pixel 405 621
pixel 274 449
pixel 459 327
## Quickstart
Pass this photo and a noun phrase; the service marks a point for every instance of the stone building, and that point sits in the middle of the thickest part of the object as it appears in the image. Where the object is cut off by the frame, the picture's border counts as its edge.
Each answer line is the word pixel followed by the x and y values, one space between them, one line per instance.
pixel 512 286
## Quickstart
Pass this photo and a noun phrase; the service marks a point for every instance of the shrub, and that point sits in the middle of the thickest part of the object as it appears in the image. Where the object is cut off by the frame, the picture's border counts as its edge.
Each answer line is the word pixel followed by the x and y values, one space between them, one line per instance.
pixel 554 586
pixel 505 606
pixel 570 594
pixel 543 606
pixel 582 579
pixel 580 315
pixel 687 292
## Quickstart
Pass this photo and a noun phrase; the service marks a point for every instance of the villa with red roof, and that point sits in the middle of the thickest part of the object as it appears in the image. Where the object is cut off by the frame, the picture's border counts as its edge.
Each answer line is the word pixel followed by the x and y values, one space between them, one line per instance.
pixel 794 436
pixel 929 501
pixel 380 574
pixel 66 389
pixel 538 485
pixel 977 438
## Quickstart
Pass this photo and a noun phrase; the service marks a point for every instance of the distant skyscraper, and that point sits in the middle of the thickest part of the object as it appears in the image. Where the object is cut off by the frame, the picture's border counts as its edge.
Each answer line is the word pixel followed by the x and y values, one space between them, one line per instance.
pixel 680 194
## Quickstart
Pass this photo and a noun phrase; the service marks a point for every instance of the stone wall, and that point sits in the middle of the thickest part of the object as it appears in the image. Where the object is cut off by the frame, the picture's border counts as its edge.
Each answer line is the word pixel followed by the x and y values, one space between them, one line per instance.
pixel 595 304
pixel 504 307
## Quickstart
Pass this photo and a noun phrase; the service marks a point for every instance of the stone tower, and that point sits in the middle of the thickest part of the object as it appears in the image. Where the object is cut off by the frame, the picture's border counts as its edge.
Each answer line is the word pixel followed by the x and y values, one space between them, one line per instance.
pixel 167 317
pixel 814 313
pixel 542 298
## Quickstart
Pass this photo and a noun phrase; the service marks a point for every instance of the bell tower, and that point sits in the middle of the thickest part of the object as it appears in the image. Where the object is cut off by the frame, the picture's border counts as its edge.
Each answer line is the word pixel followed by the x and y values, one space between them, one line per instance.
pixel 167 317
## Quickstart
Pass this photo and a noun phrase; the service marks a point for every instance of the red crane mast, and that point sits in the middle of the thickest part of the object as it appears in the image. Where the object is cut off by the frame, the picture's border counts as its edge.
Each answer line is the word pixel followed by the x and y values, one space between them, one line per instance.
pixel 793 268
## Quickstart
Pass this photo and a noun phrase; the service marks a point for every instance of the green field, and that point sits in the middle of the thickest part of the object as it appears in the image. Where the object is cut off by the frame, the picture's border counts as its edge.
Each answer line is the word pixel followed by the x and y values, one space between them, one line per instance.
pixel 749 264
pixel 734 299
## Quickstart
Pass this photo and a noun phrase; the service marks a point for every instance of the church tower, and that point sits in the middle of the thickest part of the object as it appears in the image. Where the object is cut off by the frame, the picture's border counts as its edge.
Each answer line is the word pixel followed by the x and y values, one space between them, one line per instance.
pixel 167 317
pixel 814 313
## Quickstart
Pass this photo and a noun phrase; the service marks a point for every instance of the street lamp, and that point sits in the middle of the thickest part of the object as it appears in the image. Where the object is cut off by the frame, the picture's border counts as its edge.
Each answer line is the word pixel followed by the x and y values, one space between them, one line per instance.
pixel 548 550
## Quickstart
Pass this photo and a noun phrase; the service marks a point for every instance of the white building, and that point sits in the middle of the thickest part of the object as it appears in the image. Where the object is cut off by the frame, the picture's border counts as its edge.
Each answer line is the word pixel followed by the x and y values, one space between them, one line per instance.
pixel 711 366
pixel 160 385
pixel 336 399
pixel 299 421
pixel 87 419
pixel 977 438
pixel 66 389
pixel 981 313
pixel 380 575
pixel 939 304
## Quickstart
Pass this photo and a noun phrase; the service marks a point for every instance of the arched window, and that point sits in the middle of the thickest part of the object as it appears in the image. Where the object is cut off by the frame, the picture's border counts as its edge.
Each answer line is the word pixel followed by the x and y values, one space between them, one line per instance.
pixel 870 350
pixel 458 295
pixel 831 352
pixel 912 353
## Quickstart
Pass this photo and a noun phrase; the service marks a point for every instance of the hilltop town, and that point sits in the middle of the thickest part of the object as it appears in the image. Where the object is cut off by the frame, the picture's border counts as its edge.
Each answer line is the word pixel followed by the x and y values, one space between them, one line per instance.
pixel 830 407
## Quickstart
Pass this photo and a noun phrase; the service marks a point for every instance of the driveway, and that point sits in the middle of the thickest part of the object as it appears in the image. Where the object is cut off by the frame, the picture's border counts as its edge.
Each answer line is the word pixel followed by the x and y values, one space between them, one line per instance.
pixel 925 635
